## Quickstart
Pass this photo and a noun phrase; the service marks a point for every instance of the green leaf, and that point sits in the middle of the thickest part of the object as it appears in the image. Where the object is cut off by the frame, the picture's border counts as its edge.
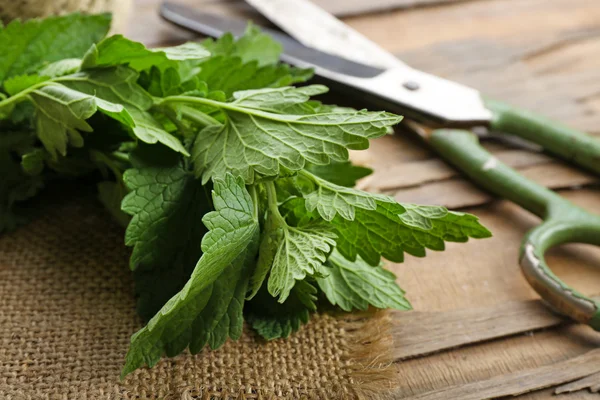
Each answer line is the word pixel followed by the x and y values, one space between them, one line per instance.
pixel 330 199
pixel 299 251
pixel 230 74
pixel 168 83
pixel 15 185
pixel 220 278
pixel 252 46
pixel 356 285
pixel 15 84
pixel 274 320
pixel 118 50
pixel 340 173
pixel 392 229
pixel 251 62
pixel 253 141
pixel 118 86
pixel 26 46
pixel 271 237
pixel 61 68
pixel 167 204
pixel 277 100
pixel 61 112
pixel 33 161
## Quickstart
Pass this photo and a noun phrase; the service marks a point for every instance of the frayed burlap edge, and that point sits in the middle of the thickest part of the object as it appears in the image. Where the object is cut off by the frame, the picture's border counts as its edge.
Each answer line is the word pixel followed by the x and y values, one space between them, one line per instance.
pixel 368 347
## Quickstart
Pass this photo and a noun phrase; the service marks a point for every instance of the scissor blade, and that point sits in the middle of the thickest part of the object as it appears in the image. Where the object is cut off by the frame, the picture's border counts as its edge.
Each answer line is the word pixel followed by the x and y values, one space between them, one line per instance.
pixel 408 91
pixel 316 28
pixel 294 52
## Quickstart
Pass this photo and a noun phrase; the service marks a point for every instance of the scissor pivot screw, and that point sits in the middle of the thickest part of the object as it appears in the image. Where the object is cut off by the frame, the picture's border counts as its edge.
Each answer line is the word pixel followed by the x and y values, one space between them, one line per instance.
pixel 411 85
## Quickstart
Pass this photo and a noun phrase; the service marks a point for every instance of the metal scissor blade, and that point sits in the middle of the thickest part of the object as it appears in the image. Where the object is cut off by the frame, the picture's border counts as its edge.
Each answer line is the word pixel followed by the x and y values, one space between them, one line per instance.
pixel 439 99
pixel 316 28
pixel 294 52
pixel 413 93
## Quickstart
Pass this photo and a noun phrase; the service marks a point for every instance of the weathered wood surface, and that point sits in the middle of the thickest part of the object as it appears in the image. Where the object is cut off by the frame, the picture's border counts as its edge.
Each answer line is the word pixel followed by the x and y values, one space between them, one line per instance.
pixel 521 382
pixel 418 333
pixel 540 54
pixel 591 382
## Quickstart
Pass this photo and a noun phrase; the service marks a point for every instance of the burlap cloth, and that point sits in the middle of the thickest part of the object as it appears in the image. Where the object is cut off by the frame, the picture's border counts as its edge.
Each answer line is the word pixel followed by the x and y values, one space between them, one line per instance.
pixel 67 312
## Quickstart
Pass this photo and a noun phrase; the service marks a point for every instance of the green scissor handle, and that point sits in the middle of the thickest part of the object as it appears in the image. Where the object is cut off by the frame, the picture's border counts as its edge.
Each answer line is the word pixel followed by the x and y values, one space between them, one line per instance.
pixel 563 221
pixel 569 144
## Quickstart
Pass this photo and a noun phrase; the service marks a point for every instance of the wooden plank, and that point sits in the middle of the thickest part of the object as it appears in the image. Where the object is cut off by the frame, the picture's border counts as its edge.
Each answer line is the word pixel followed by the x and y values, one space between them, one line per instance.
pixel 521 382
pixel 403 175
pixel 461 193
pixel 591 382
pixel 418 333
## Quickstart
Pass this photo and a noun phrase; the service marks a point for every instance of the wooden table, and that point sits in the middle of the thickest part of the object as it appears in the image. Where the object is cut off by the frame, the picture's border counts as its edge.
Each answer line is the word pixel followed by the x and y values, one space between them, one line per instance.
pixel 540 54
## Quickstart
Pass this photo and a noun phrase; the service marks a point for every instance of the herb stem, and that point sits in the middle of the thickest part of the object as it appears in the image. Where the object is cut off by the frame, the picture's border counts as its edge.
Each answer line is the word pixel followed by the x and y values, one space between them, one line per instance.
pixel 190 99
pixel 272 201
pixel 254 196
pixel 199 117
pixel 172 115
pixel 120 156
pixel 22 94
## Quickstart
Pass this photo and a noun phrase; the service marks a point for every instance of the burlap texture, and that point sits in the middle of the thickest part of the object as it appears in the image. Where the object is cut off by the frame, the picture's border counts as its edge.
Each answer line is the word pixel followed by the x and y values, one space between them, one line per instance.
pixel 67 313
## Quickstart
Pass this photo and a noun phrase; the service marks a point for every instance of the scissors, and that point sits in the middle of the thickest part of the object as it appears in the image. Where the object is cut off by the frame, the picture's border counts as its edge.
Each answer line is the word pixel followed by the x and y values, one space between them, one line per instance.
pixel 438 107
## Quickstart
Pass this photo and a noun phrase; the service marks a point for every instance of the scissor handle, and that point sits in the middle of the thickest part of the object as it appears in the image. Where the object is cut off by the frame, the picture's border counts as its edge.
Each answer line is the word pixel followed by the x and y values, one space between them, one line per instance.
pixel 567 143
pixel 554 291
pixel 565 222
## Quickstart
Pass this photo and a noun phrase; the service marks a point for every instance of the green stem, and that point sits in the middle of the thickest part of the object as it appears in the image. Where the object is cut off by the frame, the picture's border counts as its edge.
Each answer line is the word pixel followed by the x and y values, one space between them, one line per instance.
pixel 254 196
pixel 223 105
pixel 199 117
pixel 22 94
pixel 120 156
pixel 272 201
pixel 193 100
pixel 314 178
pixel 172 115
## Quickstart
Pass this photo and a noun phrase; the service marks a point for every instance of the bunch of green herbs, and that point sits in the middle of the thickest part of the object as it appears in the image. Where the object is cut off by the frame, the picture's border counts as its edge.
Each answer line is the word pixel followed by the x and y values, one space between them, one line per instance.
pixel 235 186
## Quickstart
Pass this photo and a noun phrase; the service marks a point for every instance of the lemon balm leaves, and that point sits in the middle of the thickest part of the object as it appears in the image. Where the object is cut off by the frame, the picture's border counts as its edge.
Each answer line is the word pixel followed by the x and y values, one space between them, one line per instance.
pixel 18 83
pixel 236 187
pixel 118 50
pixel 254 141
pixel 330 199
pixel 221 273
pixel 117 85
pixel 340 173
pixel 167 206
pixel 27 46
pixel 384 232
pixel 61 113
pixel 277 100
pixel 274 320
pixel 250 62
pixel 15 186
pixel 356 285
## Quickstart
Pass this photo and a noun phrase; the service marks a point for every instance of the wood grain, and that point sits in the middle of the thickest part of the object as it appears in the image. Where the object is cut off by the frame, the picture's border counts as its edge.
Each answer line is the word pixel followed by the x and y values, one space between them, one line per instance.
pixel 460 193
pixel 521 382
pixel 418 333
pixel 591 382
